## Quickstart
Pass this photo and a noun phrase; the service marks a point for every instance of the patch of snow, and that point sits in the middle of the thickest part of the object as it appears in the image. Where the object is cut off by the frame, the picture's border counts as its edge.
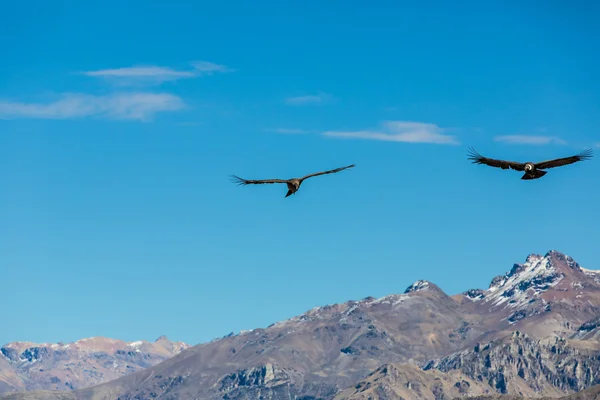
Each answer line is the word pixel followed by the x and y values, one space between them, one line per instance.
pixel 474 294
pixel 392 299
pixel 181 348
pixel 417 286
pixel 592 273
pixel 322 312
pixel 136 345
pixel 522 282
pixel 21 344
pixel 349 310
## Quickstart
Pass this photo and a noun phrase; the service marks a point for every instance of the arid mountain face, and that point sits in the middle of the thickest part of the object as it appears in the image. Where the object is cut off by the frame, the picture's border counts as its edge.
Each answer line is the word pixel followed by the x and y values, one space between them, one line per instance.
pixel 517 364
pixel 544 296
pixel 534 331
pixel 86 362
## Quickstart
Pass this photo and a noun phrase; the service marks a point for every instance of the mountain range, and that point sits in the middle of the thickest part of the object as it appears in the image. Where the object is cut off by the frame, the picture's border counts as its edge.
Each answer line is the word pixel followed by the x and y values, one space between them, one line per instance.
pixel 86 362
pixel 535 331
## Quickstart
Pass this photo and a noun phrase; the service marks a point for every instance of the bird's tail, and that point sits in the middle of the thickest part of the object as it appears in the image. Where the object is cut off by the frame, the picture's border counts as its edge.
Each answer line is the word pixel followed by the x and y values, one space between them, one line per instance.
pixel 537 174
pixel 289 193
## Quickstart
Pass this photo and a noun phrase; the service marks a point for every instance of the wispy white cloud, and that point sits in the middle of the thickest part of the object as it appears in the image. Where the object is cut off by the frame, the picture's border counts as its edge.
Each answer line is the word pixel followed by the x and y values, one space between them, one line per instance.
pixel 529 139
pixel 160 73
pixel 156 74
pixel 400 131
pixel 208 68
pixel 127 106
pixel 319 98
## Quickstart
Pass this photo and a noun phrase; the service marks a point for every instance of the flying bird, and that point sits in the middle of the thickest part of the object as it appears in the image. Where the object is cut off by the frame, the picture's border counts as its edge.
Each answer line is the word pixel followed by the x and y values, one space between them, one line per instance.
pixel 293 184
pixel 532 170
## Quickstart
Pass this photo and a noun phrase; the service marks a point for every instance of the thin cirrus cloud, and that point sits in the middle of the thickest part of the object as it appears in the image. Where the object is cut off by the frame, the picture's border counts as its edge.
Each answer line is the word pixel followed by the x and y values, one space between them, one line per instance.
pixel 313 99
pixel 123 106
pixel 156 74
pixel 529 139
pixel 400 131
pixel 130 105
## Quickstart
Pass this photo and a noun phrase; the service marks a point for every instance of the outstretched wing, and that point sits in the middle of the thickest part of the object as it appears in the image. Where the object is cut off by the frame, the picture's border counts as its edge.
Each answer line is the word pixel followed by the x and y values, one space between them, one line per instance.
pixel 242 181
pixel 327 172
pixel 559 162
pixel 479 159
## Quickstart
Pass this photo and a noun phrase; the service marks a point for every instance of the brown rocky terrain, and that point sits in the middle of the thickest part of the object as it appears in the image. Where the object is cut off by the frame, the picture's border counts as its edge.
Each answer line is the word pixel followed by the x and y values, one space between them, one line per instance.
pixel 592 393
pixel 533 332
pixel 517 364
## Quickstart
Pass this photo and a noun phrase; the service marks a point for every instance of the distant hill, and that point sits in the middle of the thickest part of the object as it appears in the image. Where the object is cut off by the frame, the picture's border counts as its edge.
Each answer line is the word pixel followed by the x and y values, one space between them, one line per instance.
pixel 86 362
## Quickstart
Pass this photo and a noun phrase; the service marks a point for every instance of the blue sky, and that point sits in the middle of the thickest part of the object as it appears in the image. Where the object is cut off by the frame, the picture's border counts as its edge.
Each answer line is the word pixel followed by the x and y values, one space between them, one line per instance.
pixel 119 126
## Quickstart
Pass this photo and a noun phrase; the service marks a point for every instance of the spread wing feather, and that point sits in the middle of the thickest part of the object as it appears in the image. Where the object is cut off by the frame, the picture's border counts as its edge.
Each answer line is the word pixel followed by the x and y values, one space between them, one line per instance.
pixel 327 172
pixel 242 181
pixel 479 159
pixel 559 162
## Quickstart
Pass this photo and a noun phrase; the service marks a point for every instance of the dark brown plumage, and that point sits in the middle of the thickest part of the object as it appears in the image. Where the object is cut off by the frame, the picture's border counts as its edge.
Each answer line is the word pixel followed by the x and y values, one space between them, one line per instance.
pixel 532 170
pixel 293 184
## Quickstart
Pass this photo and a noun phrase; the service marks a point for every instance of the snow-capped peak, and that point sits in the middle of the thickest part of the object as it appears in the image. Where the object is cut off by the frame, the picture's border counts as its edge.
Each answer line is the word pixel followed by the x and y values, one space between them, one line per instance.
pixel 417 286
pixel 531 278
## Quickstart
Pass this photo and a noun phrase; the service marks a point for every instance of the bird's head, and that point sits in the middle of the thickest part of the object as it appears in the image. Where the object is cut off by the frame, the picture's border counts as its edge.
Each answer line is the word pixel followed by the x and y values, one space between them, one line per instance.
pixel 529 167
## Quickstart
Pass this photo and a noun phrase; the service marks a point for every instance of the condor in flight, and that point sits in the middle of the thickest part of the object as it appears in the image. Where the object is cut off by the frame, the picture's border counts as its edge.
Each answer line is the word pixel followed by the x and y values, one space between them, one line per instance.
pixel 293 184
pixel 532 170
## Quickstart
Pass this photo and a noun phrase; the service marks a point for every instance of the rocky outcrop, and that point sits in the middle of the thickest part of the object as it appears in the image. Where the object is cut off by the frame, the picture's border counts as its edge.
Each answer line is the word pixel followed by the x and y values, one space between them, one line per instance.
pixel 589 330
pixel 592 393
pixel 521 364
pixel 268 382
pixel 394 382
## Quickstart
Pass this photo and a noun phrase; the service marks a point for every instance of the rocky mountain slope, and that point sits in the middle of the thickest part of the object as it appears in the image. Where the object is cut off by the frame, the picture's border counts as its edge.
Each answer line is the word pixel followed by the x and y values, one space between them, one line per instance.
pixel 418 344
pixel 592 393
pixel 517 364
pixel 86 362
pixel 520 364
